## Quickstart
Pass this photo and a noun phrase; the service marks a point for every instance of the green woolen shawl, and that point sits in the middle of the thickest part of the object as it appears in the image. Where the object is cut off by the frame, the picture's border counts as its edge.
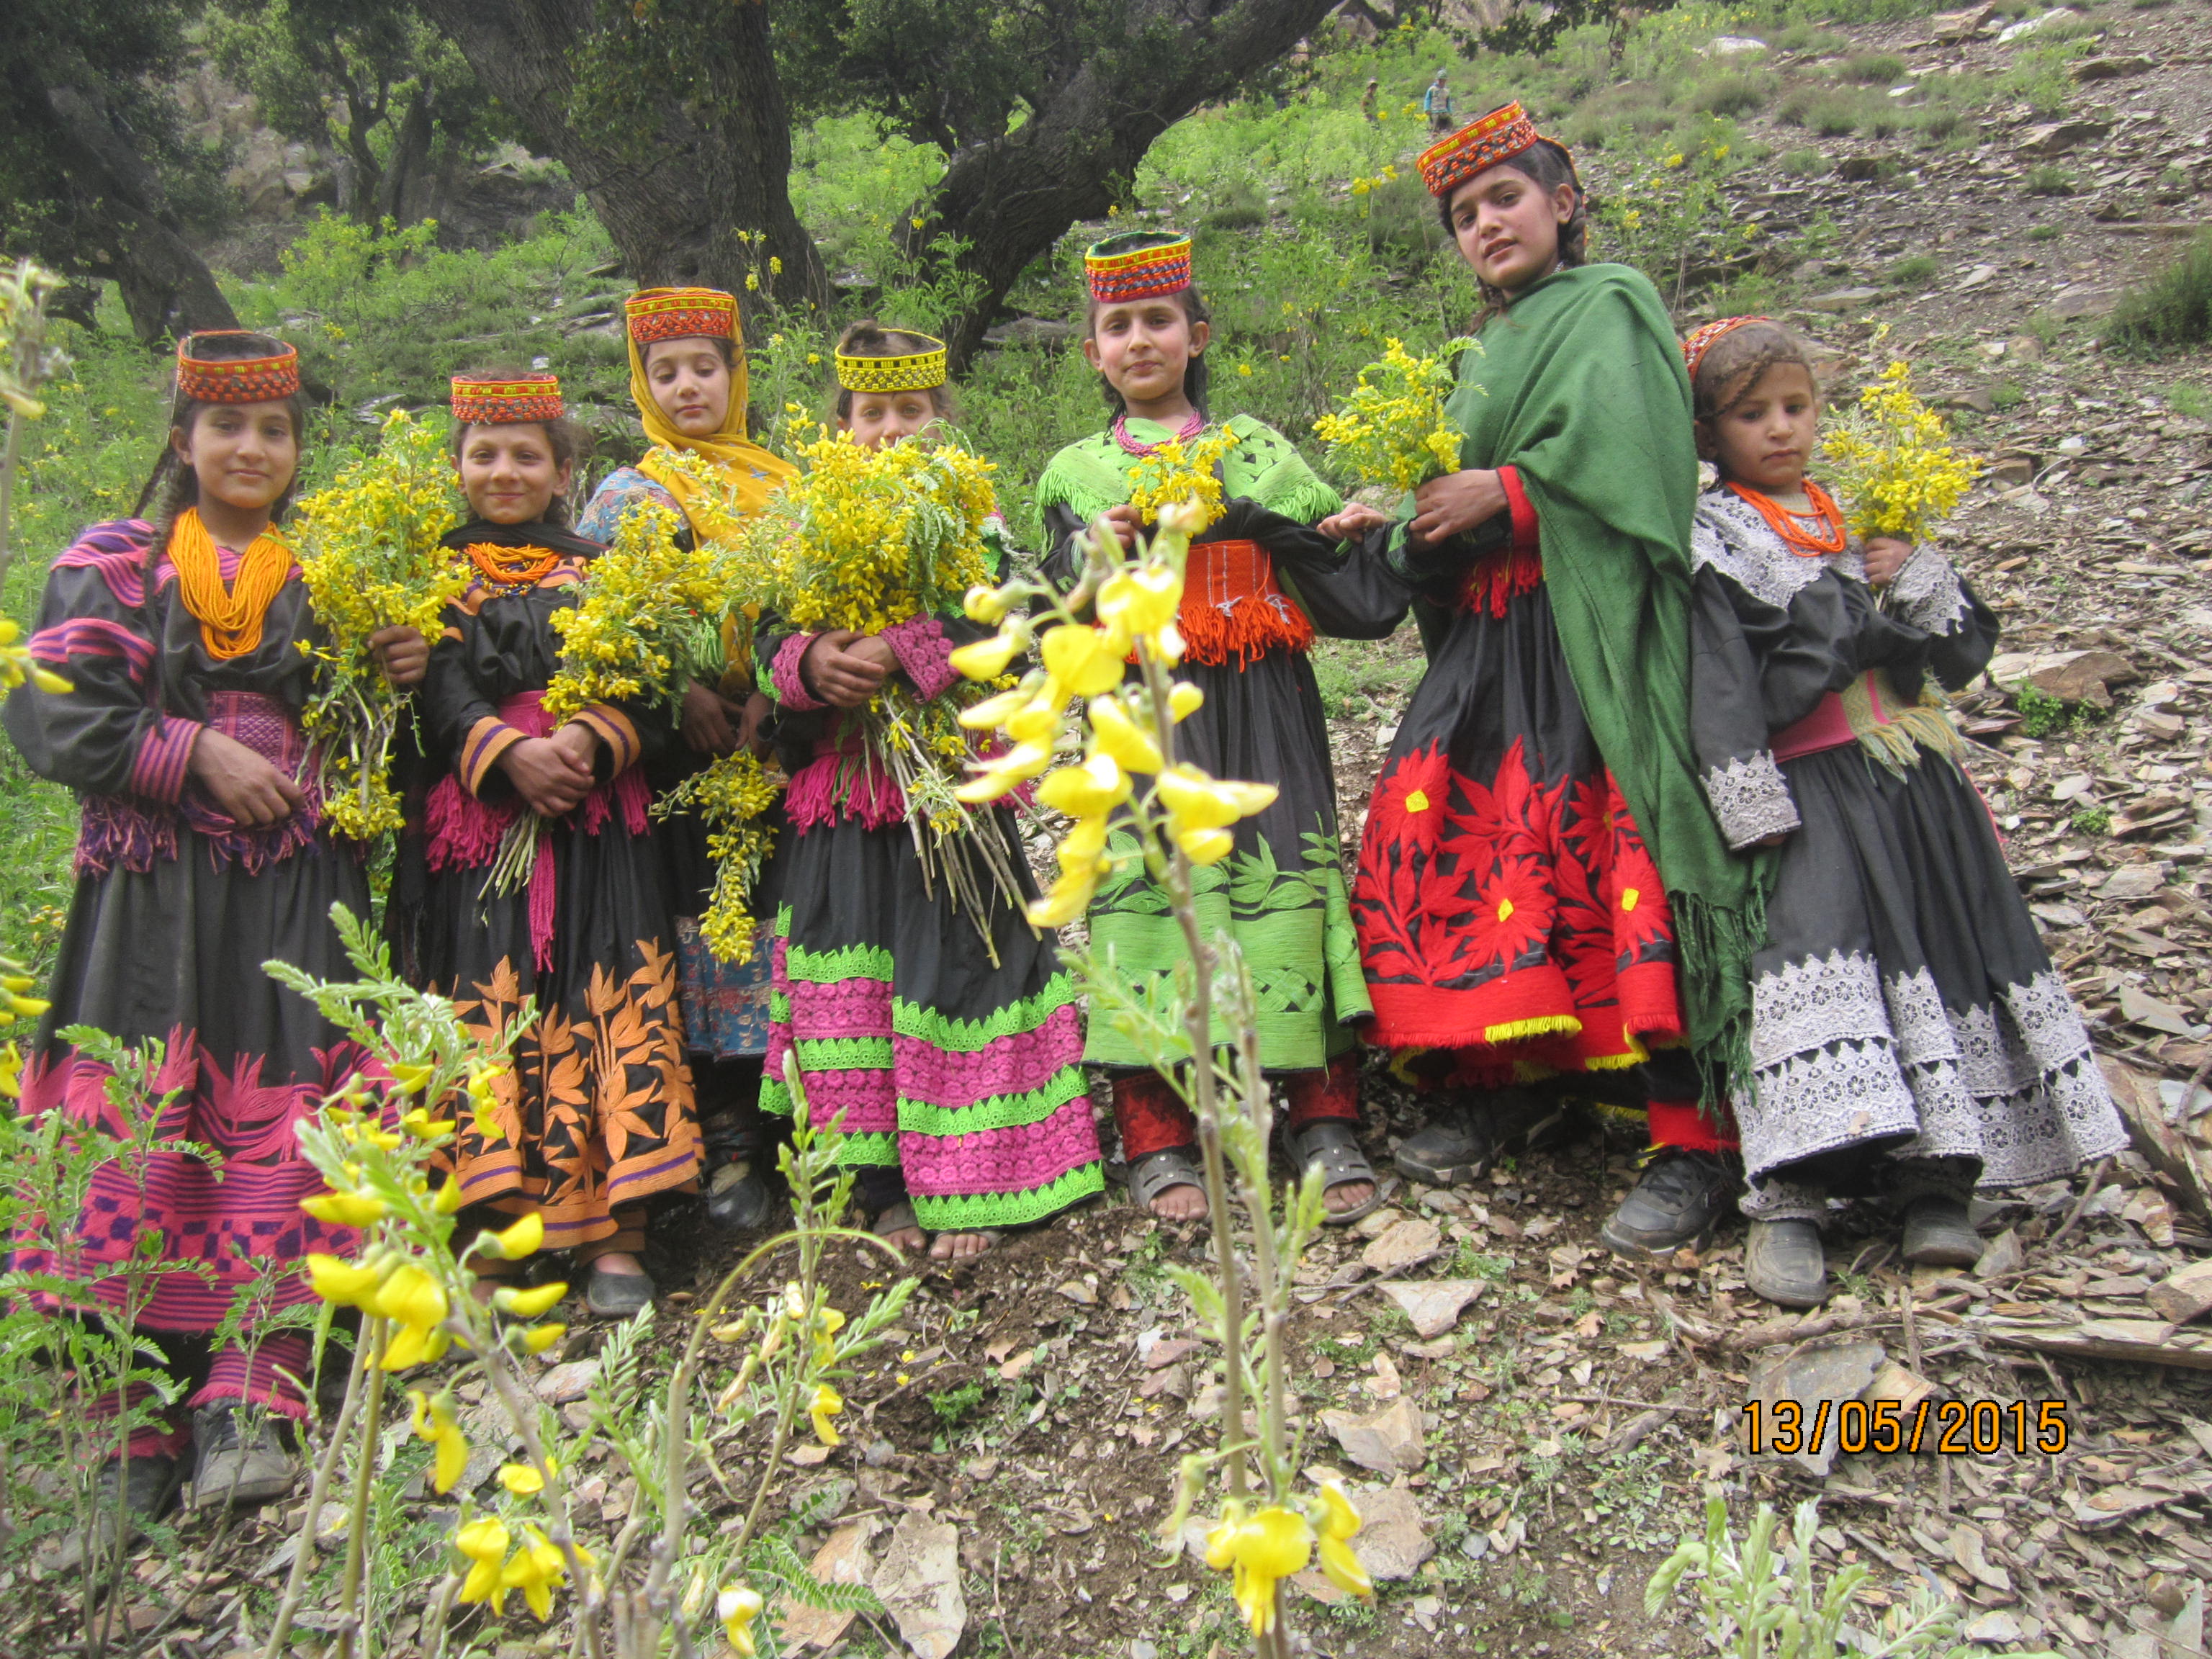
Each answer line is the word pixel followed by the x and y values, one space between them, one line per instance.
pixel 1580 387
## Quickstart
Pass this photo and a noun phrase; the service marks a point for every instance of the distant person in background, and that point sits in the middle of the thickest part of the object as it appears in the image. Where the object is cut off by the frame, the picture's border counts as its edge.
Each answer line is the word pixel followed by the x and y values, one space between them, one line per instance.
pixel 1368 99
pixel 1436 105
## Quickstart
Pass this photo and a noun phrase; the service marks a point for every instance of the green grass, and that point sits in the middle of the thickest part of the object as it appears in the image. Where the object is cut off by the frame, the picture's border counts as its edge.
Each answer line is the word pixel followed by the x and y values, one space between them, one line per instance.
pixel 2045 233
pixel 2190 398
pixel 1872 69
pixel 1920 270
pixel 2172 308
pixel 1353 674
pixel 2049 179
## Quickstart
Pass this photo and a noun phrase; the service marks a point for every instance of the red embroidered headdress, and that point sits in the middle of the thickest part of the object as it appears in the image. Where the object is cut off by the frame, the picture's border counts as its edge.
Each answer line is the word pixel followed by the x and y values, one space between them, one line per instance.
pixel 507 401
pixel 678 313
pixel 1137 264
pixel 1498 136
pixel 1695 347
pixel 261 378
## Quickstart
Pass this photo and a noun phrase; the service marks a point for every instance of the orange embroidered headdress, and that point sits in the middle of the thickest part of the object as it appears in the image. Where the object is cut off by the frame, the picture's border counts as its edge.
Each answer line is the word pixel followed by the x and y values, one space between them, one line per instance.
pixel 506 400
pixel 1137 264
pixel 681 314
pixel 1498 136
pixel 1695 347
pixel 263 378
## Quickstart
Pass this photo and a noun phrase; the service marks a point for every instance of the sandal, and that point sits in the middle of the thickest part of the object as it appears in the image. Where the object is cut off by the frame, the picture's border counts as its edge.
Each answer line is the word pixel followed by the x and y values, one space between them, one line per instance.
pixel 898 1218
pixel 1330 1144
pixel 1156 1172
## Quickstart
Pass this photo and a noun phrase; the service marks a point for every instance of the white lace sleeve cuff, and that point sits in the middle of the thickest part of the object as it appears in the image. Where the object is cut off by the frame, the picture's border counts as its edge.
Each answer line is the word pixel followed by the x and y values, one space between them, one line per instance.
pixel 1752 800
pixel 1926 592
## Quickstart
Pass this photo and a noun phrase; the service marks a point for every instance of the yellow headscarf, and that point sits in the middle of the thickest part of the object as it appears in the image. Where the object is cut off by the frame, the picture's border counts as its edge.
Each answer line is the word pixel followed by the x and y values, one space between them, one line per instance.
pixel 755 472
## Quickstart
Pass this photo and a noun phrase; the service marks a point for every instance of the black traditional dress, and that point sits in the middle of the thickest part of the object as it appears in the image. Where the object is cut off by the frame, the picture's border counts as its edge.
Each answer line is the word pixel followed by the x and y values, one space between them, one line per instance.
pixel 597 1113
pixel 177 906
pixel 1908 1028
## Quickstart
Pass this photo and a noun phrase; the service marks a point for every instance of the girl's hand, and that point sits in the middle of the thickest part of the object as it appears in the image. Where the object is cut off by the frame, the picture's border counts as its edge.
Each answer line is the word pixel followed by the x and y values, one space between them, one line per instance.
pixel 1885 557
pixel 750 719
pixel 845 668
pixel 706 723
pixel 1352 523
pixel 1453 504
pixel 1122 521
pixel 241 781
pixel 547 775
pixel 403 653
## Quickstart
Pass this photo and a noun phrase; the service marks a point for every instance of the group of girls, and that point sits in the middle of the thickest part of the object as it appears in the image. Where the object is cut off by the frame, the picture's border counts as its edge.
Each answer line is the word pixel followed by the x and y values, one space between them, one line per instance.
pixel 1673 819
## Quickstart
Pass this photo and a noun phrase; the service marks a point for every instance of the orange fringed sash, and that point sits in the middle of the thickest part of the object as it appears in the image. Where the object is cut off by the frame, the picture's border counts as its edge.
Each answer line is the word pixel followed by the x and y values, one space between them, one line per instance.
pixel 230 618
pixel 1496 579
pixel 1233 606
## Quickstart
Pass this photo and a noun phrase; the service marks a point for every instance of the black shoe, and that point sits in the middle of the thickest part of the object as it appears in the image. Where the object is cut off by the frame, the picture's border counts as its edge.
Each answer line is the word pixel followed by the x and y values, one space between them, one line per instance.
pixel 738 1197
pixel 235 1468
pixel 1453 1147
pixel 1782 1262
pixel 615 1296
pixel 1675 1206
pixel 149 1486
pixel 1938 1235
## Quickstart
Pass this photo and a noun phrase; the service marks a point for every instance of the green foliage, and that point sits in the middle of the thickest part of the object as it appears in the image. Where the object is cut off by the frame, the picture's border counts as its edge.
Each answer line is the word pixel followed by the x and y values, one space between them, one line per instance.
pixel 2040 713
pixel 1732 94
pixel 2094 821
pixel 1670 210
pixel 2190 398
pixel 2170 309
pixel 1804 163
pixel 1917 271
pixel 2049 179
pixel 1881 69
pixel 953 1405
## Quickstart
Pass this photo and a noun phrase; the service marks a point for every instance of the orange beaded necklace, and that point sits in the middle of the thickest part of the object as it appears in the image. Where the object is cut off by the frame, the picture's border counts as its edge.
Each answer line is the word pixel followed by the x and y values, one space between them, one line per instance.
pixel 1790 527
pixel 230 617
pixel 511 568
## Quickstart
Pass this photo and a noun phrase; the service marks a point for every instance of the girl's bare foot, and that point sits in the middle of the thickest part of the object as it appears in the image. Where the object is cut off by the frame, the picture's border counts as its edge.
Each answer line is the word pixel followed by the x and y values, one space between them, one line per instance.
pixel 959 1246
pixel 1180 1202
pixel 897 1228
pixel 1347 1196
pixel 905 1240
pixel 619 1264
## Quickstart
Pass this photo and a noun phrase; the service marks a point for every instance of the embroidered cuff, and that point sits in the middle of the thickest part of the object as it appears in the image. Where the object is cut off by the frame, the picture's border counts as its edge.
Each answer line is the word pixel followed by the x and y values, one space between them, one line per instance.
pixel 1926 592
pixel 1525 537
pixel 785 677
pixel 158 770
pixel 1751 798
pixel 487 740
pixel 925 653
pixel 615 729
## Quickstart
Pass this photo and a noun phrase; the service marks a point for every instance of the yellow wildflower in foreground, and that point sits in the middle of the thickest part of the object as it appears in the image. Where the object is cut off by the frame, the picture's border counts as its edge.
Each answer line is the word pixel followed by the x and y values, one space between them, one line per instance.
pixel 1263 1549
pixel 434 1421
pixel 736 1606
pixel 484 1541
pixel 1392 430
pixel 1893 464
pixel 828 1402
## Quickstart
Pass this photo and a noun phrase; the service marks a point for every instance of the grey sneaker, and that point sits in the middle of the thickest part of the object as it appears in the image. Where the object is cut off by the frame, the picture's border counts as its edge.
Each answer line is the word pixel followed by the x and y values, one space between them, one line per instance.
pixel 1938 1235
pixel 1452 1149
pixel 237 1468
pixel 149 1486
pixel 615 1296
pixel 1676 1205
pixel 1784 1262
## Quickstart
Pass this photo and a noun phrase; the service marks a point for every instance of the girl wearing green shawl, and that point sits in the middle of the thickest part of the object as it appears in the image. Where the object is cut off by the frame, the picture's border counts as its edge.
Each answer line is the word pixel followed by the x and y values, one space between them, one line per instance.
pixel 1542 888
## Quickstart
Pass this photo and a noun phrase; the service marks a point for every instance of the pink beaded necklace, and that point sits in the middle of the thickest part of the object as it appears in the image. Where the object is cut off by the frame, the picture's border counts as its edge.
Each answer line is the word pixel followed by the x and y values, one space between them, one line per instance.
pixel 1190 429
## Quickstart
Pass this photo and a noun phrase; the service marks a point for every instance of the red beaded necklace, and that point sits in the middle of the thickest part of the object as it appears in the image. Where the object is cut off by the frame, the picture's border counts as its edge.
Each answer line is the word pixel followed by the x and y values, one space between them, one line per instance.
pixel 1791 526
pixel 1190 430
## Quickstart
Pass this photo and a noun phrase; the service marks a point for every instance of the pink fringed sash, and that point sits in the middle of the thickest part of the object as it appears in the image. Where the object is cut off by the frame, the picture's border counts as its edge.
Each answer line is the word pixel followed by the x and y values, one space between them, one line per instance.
pixel 843 780
pixel 464 833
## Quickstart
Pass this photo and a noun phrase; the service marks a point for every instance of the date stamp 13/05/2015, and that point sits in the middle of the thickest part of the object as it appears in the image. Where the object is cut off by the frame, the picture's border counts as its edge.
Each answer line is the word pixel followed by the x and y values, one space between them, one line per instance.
pixel 1949 1428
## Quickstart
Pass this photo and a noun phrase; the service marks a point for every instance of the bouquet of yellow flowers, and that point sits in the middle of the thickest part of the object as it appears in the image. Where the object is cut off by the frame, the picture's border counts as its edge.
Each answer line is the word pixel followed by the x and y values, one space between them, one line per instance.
pixel 1893 462
pixel 642 620
pixel 370 552
pixel 1173 476
pixel 732 795
pixel 1393 430
pixel 865 539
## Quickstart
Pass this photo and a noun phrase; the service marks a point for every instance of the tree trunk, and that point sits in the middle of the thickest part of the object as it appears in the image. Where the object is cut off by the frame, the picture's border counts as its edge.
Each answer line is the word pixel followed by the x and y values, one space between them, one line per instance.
pixel 410 154
pixel 677 200
pixel 166 287
pixel 1012 198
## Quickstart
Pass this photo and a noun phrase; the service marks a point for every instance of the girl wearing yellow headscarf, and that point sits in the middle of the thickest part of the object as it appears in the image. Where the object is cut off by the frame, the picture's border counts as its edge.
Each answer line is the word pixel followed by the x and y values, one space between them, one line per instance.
pixel 687 376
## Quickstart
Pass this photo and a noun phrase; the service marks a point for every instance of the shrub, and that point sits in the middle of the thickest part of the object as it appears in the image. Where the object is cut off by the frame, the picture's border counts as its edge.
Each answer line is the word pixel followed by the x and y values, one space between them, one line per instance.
pixel 2007 394
pixel 1806 163
pixel 1732 94
pixel 2172 308
pixel 1876 69
pixel 1920 270
pixel 2046 232
pixel 1238 207
pixel 2049 179
pixel 1830 113
pixel 2187 398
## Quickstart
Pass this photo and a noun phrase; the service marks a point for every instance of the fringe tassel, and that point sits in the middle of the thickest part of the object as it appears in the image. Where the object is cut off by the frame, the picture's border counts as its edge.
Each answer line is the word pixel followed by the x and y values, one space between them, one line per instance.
pixel 543 883
pixel 844 783
pixel 1500 578
pixel 1545 1025
pixel 1714 948
pixel 1233 607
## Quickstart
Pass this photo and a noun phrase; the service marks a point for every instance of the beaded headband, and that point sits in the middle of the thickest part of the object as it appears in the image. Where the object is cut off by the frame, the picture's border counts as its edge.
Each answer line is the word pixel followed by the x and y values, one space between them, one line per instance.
pixel 1695 347
pixel 1498 136
pixel 262 379
pixel 507 402
pixel 915 371
pixel 679 313
pixel 1137 264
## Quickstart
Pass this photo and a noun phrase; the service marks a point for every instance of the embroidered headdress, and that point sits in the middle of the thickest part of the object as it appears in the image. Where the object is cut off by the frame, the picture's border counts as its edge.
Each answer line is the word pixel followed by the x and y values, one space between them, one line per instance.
pixel 263 377
pixel 914 371
pixel 507 400
pixel 1695 347
pixel 1137 264
pixel 1483 144
pixel 680 314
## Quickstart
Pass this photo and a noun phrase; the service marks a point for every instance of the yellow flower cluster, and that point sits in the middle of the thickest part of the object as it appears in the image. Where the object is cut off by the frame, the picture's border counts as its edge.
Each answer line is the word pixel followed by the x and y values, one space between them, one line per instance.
pixel 1894 462
pixel 1135 607
pixel 1392 430
pixel 731 795
pixel 1175 475
pixel 18 666
pixel 867 538
pixel 1266 1547
pixel 643 604
pixel 536 1568
pixel 370 554
pixel 15 1003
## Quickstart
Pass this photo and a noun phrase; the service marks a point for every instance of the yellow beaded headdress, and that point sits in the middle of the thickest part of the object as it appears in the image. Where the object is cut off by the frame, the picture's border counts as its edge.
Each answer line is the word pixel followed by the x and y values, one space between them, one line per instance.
pixel 507 401
pixel 1137 264
pixel 679 313
pixel 915 371
pixel 1498 136
pixel 261 378
pixel 1695 347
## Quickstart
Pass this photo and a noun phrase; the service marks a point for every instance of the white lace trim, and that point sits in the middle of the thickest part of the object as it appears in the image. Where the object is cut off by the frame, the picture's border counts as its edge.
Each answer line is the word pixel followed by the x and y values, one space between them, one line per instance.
pixel 1928 592
pixel 1840 1058
pixel 1751 798
pixel 1729 535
